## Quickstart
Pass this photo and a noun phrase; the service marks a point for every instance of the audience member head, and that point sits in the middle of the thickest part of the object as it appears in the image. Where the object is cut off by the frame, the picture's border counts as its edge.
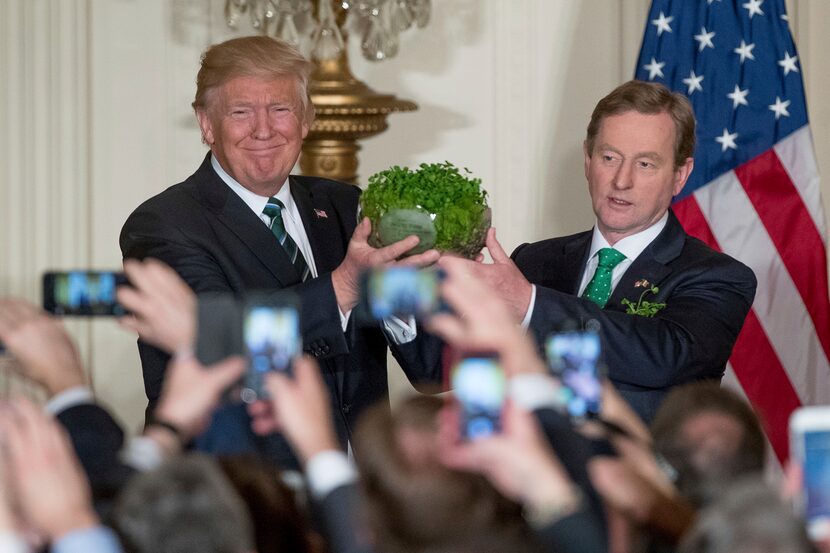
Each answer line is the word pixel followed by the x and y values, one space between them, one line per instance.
pixel 184 505
pixel 279 527
pixel 413 502
pixel 253 56
pixel 648 98
pixel 747 518
pixel 710 436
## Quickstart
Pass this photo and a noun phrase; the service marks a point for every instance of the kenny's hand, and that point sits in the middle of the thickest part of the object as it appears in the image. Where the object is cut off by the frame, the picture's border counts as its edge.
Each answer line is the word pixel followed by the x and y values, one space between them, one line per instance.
pixel 360 256
pixel 502 275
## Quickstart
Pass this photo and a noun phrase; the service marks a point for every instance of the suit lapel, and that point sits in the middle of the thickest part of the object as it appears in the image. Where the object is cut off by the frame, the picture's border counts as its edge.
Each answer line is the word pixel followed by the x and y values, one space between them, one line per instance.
pixel 235 214
pixel 576 256
pixel 321 226
pixel 650 265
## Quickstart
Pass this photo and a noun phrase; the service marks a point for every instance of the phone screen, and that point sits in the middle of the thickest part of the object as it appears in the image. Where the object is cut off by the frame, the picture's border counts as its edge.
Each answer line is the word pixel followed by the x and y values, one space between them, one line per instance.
pixel 480 386
pixel 573 357
pixel 817 481
pixel 83 293
pixel 271 334
pixel 402 292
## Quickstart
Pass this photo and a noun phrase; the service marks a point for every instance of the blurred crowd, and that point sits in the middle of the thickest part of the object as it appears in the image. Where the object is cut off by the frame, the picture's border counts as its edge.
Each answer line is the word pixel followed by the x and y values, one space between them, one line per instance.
pixel 70 480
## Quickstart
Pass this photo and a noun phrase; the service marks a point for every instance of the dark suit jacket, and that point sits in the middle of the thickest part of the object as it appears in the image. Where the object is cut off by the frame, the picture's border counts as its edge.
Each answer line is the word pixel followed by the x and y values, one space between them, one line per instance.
pixel 203 230
pixel 707 296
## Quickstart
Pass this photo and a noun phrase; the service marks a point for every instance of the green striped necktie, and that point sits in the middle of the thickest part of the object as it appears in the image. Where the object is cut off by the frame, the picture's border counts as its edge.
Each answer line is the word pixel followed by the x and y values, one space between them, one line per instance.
pixel 273 209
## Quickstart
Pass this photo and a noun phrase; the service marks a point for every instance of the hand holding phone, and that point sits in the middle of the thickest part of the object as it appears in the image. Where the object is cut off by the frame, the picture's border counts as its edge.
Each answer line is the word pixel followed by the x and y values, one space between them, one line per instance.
pixel 82 293
pixel 573 357
pixel 480 386
pixel 271 335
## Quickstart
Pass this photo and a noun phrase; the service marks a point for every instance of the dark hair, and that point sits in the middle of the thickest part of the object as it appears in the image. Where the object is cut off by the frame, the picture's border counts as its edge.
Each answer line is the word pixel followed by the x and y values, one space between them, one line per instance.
pixel 648 98
pixel 184 505
pixel 279 526
pixel 413 502
pixel 702 469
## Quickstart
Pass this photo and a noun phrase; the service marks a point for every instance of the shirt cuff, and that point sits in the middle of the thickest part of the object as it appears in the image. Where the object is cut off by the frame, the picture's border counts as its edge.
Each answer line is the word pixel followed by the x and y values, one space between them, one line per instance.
pixel 77 395
pixel 344 318
pixel 530 306
pixel 143 454
pixel 400 332
pixel 11 542
pixel 532 391
pixel 327 471
pixel 99 539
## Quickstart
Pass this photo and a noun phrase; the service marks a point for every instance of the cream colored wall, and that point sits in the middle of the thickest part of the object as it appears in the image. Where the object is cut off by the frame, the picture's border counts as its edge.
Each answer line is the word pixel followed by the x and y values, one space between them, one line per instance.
pixel 95 118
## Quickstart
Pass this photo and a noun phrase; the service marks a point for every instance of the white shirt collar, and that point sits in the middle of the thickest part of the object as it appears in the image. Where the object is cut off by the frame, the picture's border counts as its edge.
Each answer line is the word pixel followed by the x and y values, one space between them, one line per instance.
pixel 630 246
pixel 252 200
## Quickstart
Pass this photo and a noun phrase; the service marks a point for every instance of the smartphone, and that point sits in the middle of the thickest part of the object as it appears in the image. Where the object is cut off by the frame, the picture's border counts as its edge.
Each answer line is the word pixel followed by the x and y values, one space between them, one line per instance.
pixel 82 293
pixel 574 358
pixel 810 447
pixel 271 339
pixel 480 386
pixel 401 292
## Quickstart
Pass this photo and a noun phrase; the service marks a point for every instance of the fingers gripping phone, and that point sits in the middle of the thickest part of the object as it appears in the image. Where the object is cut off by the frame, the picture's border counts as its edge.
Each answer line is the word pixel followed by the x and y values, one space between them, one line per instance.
pixel 810 447
pixel 272 341
pixel 479 384
pixel 82 293
pixel 573 357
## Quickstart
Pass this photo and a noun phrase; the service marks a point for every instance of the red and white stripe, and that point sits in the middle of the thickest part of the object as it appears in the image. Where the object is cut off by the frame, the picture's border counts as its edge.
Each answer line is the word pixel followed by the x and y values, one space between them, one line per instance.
pixel 768 214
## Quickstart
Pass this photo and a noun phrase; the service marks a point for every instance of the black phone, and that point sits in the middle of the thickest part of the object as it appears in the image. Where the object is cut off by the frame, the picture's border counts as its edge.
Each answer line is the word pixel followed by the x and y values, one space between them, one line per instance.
pixel 272 341
pixel 574 358
pixel 401 292
pixel 83 293
pixel 480 386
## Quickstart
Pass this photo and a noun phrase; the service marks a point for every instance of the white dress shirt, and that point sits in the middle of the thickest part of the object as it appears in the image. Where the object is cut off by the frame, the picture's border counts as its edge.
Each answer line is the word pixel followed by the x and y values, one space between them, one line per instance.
pixel 630 246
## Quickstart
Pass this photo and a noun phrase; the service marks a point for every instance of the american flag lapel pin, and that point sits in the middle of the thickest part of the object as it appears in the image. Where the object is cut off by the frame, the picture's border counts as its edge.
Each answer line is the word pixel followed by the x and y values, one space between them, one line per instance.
pixel 321 214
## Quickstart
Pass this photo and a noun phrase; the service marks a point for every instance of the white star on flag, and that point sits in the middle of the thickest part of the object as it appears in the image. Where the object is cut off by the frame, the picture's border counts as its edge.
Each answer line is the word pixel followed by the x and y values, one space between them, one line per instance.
pixel 662 23
pixel 788 63
pixel 655 69
pixel 727 140
pixel 753 7
pixel 738 97
pixel 705 39
pixel 745 51
pixel 693 82
pixel 780 108
pixel 710 1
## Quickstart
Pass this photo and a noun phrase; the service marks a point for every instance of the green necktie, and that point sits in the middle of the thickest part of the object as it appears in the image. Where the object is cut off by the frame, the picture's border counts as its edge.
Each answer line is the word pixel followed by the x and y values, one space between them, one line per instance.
pixel 273 209
pixel 599 289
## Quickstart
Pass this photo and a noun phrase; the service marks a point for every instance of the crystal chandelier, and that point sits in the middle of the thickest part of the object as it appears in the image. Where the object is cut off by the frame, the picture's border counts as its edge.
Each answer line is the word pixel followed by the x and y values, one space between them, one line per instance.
pixel 319 32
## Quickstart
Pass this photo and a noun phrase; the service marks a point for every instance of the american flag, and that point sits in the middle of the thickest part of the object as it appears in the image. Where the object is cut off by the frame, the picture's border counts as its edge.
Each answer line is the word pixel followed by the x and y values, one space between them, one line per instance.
pixel 754 191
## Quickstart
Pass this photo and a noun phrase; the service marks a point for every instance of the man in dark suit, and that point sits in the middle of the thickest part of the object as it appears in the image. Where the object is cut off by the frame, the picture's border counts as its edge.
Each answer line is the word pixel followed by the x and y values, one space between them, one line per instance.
pixel 668 308
pixel 240 223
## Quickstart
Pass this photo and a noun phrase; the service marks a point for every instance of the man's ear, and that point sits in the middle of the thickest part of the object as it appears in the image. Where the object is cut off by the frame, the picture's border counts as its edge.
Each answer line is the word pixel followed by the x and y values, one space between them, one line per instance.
pixel 587 155
pixel 205 125
pixel 681 175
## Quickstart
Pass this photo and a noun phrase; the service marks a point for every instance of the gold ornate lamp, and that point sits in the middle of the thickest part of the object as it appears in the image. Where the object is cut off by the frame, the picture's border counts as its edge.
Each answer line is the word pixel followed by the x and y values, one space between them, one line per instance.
pixel 347 109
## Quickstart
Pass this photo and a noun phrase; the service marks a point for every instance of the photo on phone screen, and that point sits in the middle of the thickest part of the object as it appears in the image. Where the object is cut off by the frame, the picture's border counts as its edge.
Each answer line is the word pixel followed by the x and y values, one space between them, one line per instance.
pixel 574 357
pixel 480 386
pixel 82 293
pixel 271 335
pixel 810 447
pixel 402 292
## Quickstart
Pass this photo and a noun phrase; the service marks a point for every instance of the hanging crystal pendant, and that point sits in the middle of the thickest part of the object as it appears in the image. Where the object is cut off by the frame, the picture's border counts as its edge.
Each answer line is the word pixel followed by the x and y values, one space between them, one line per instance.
pixel 379 44
pixel 401 18
pixel 233 10
pixel 327 40
pixel 286 30
pixel 421 11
